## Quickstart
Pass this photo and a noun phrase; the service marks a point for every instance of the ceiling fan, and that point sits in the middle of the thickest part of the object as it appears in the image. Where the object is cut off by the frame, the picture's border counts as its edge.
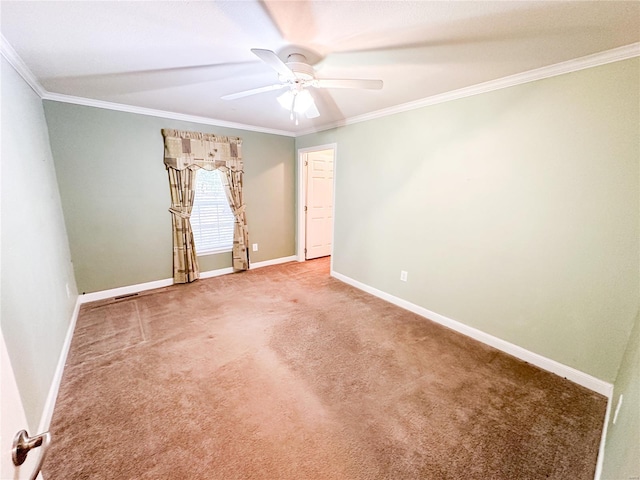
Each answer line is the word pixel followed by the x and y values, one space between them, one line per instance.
pixel 296 75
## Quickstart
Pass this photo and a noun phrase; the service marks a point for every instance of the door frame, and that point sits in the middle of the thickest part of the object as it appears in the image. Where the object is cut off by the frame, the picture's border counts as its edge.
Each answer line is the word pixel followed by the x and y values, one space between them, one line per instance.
pixel 302 195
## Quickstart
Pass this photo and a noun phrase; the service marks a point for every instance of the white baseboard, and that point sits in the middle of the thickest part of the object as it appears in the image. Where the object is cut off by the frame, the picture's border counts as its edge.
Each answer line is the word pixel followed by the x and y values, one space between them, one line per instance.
pixel 141 287
pixel 216 273
pixel 50 403
pixel 128 290
pixel 275 261
pixel 570 373
pixel 266 263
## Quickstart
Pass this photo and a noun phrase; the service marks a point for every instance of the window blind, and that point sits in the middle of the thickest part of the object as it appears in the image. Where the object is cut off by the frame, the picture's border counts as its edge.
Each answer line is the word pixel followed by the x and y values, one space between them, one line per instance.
pixel 211 218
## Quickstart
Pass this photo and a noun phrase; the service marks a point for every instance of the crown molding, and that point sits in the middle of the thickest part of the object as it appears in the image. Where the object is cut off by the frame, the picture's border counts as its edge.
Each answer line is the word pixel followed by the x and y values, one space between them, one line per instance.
pixel 19 66
pixel 120 107
pixel 588 61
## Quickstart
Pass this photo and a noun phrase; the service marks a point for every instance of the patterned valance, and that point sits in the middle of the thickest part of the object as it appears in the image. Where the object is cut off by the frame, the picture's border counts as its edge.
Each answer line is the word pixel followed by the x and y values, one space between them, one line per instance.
pixel 201 150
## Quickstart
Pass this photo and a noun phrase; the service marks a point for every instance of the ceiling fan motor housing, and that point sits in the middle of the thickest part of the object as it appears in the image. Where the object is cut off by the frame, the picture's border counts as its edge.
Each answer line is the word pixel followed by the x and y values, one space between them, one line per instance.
pixel 297 63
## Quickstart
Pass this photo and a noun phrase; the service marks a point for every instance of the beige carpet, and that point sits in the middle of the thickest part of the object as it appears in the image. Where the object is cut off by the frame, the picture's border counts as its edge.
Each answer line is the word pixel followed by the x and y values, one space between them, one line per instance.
pixel 286 373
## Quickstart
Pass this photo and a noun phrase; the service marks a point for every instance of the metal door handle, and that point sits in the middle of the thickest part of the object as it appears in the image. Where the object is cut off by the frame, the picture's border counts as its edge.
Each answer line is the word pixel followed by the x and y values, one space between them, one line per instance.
pixel 23 443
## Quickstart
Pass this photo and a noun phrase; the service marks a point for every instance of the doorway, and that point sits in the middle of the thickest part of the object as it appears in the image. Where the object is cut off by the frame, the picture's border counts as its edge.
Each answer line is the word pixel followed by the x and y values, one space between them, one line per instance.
pixel 316 167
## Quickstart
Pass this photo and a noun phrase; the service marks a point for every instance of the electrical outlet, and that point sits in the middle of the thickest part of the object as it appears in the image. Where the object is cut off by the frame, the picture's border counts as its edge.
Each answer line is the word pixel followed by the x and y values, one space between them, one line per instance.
pixel 255 247
pixel 403 275
pixel 68 290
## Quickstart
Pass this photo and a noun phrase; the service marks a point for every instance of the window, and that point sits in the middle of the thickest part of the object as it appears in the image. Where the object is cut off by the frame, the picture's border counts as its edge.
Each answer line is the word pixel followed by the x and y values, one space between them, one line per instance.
pixel 211 218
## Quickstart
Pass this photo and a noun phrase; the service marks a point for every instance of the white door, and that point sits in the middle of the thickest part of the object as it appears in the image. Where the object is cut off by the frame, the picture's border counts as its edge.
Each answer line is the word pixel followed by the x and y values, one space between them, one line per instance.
pixel 12 420
pixel 319 212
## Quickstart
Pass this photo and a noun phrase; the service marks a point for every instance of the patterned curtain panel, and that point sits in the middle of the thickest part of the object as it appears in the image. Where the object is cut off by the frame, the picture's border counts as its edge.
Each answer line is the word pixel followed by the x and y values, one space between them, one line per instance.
pixel 233 187
pixel 186 152
pixel 185 263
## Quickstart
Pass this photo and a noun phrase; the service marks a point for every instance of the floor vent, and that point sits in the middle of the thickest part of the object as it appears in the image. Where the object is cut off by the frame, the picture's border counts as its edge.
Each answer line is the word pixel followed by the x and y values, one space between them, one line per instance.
pixel 125 296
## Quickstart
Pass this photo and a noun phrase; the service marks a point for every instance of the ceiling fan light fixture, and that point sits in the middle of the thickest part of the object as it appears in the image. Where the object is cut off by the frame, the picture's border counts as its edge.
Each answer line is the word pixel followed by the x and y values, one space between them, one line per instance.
pixel 304 100
pixel 298 101
pixel 286 100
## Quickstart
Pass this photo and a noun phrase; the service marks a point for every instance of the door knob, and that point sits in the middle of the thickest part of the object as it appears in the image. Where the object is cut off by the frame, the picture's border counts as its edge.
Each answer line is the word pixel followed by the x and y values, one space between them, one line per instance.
pixel 23 444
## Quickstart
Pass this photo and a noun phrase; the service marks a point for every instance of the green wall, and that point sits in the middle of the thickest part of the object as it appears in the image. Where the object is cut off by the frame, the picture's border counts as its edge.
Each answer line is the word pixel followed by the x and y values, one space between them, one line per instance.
pixel 36 268
pixel 115 194
pixel 515 212
pixel 621 459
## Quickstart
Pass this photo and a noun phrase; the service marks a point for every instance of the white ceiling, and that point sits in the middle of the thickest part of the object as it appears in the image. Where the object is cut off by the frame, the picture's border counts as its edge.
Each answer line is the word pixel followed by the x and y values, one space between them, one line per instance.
pixel 182 56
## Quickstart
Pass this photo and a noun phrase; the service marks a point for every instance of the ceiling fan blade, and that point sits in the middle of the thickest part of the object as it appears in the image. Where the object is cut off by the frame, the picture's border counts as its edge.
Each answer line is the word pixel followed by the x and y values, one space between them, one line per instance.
pixel 135 81
pixel 312 111
pixel 347 83
pixel 246 93
pixel 271 59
